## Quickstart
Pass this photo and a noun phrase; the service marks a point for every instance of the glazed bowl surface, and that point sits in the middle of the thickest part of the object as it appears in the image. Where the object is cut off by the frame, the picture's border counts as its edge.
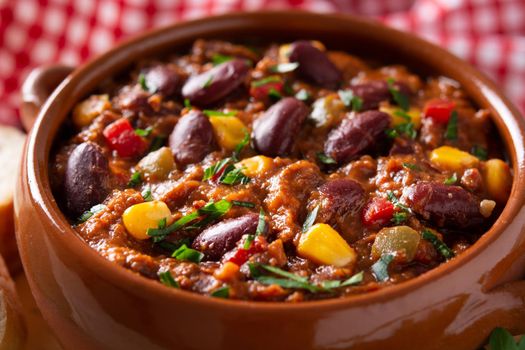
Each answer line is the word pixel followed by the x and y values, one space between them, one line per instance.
pixel 92 303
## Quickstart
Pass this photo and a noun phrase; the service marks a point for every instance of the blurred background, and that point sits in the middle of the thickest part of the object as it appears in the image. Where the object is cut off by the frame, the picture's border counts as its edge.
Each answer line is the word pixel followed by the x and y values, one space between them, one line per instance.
pixel 488 33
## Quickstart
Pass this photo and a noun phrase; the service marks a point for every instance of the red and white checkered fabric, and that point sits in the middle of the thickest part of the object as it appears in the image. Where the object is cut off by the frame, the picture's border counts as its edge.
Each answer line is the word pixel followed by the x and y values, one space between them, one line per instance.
pixel 488 33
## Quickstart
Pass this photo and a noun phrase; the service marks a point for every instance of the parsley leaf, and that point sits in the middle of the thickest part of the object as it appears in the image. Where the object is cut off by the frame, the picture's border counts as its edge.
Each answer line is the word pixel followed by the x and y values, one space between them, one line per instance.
pixel 440 246
pixel 267 80
pixel 380 267
pixel 218 59
pixel 215 169
pixel 144 132
pixel 310 219
pixel 501 339
pixel 146 195
pixel 243 204
pixel 355 279
pixel 187 103
pixel 233 176
pixel 212 113
pixel 284 67
pixel 323 158
pixel 89 213
pixel 411 166
pixel 135 179
pixel 142 82
pixel 261 224
pixel 452 127
pixel 406 129
pixel 451 180
pixel 350 100
pixel 392 198
pixel 274 94
pixel 479 152
pixel 238 149
pixel 223 292
pixel 399 217
pixel 187 254
pixel 400 98
pixel 167 279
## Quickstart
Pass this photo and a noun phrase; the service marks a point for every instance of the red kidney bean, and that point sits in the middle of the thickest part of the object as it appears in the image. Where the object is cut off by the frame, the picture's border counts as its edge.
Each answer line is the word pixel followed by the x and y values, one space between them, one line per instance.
pixel 274 132
pixel 443 205
pixel 342 196
pixel 356 134
pixel 192 138
pixel 164 80
pixel 86 178
pixel 314 64
pixel 216 83
pixel 374 92
pixel 222 237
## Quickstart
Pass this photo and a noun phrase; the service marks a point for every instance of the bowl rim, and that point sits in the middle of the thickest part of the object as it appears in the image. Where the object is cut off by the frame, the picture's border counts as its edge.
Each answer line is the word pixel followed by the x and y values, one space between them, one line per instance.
pixel 510 125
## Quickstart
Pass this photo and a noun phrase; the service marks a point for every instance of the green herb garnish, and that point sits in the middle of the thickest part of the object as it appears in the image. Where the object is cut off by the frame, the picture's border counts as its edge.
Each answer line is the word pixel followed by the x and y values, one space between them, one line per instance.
pixel 135 179
pixel 89 213
pixel 406 129
pixel 411 166
pixel 218 59
pixel 501 339
pixel 261 224
pixel 355 279
pixel 243 204
pixel 479 152
pixel 187 104
pixel 233 176
pixel 274 94
pixel 238 149
pixel 215 168
pixel 284 67
pixel 146 195
pixel 144 132
pixel 167 279
pixel 310 219
pixel 223 293
pixel 399 217
pixel 323 158
pixel 302 95
pixel 440 246
pixel 350 100
pixel 187 254
pixel 142 82
pixel 212 113
pixel 380 267
pixel 451 180
pixel 395 201
pixel 399 98
pixel 267 80
pixel 230 175
pixel 452 127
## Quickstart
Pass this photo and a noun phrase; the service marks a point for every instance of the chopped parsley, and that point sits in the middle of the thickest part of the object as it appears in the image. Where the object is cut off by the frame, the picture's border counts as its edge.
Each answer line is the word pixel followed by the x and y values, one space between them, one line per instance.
pixel 187 104
pixel 89 213
pixel 452 127
pixel 284 67
pixel 399 217
pixel 210 212
pixel 323 158
pixel 380 267
pixel 135 179
pixel 212 113
pixel 355 279
pixel 479 152
pixel 187 254
pixel 158 142
pixel 440 246
pixel 406 129
pixel 267 80
pixel 310 219
pixel 144 132
pixel 167 279
pixel 501 339
pixel 218 59
pixel 395 201
pixel 233 176
pixel 146 195
pixel 225 171
pixel 261 229
pixel 243 204
pixel 274 94
pixel 238 149
pixel 302 95
pixel 399 98
pixel 142 82
pixel 208 82
pixel 411 166
pixel 223 293
pixel 350 100
pixel 451 180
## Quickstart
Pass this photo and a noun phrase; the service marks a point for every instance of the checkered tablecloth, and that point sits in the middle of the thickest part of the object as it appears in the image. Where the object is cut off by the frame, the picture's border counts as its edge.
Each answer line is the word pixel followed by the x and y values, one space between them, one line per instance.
pixel 488 33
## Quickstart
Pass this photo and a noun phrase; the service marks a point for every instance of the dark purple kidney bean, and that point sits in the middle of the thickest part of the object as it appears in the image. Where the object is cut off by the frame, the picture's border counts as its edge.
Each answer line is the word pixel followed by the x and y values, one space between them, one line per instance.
pixel 86 178
pixel 216 83
pixel 192 138
pixel 443 205
pixel 314 65
pixel 371 93
pixel 222 237
pixel 164 80
pixel 274 132
pixel 356 134
pixel 342 196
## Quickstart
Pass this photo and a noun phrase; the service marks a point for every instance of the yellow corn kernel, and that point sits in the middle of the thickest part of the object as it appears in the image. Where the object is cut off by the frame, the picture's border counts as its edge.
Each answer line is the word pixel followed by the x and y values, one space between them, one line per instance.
pixel 89 109
pixel 140 217
pixel 229 131
pixel 323 245
pixel 255 165
pixel 397 115
pixel 450 158
pixel 157 164
pixel 497 179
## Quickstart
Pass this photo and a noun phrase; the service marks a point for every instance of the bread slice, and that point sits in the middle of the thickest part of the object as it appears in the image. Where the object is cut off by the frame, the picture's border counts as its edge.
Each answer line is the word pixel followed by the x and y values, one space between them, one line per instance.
pixel 11 146
pixel 12 330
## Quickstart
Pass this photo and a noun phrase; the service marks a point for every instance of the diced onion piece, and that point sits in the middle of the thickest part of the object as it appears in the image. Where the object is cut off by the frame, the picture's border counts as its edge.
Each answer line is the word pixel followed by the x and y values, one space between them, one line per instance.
pixel 89 109
pixel 254 166
pixel 157 164
pixel 401 241
pixel 451 158
pixel 323 245
pixel 326 110
pixel 486 207
pixel 140 217
pixel 397 115
pixel 497 179
pixel 229 131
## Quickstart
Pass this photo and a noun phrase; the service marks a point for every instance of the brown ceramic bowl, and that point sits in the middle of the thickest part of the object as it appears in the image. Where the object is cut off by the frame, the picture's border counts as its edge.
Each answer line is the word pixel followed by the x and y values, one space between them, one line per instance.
pixel 92 303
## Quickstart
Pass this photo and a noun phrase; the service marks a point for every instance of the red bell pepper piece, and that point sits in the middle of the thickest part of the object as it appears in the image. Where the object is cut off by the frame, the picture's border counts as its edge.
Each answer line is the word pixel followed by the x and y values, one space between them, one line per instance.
pixel 439 109
pixel 262 92
pixel 241 255
pixel 378 211
pixel 122 138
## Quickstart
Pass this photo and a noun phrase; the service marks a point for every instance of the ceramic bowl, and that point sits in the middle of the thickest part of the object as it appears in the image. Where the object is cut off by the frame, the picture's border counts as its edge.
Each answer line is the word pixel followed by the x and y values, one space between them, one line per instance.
pixel 92 303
